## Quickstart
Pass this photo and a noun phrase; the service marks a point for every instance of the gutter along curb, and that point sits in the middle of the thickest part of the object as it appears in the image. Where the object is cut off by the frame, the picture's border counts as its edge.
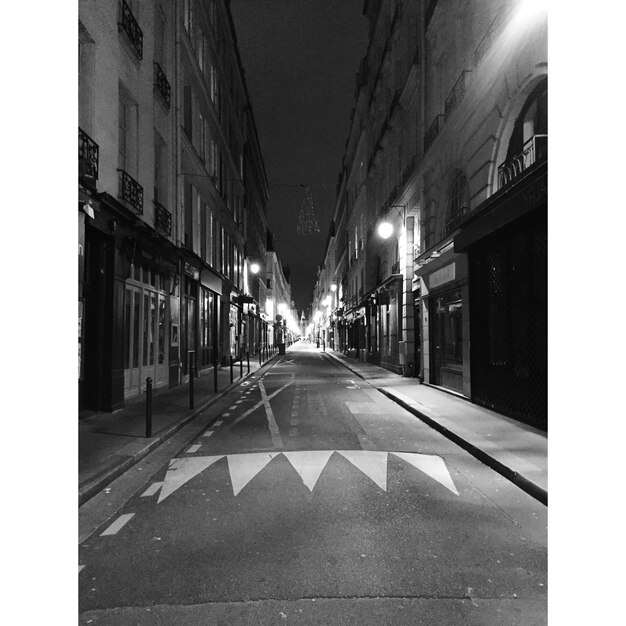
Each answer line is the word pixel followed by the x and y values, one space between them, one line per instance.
pixel 137 451
pixel 518 479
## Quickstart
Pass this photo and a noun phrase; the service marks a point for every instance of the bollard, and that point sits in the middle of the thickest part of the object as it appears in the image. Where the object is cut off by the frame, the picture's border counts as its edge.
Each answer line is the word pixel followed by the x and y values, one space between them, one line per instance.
pixel 240 365
pixel 231 369
pixel 260 356
pixel 215 376
pixel 148 407
pixel 324 345
pixel 191 390
pixel 248 360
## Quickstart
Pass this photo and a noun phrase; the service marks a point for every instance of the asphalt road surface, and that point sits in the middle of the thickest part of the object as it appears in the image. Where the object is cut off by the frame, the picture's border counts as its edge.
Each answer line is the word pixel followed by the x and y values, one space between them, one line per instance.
pixel 314 499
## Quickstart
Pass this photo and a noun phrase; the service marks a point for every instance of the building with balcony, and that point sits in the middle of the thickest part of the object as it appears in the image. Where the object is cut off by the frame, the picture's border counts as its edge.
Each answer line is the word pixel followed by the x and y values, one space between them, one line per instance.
pixel 171 185
pixel 444 177
pixel 280 313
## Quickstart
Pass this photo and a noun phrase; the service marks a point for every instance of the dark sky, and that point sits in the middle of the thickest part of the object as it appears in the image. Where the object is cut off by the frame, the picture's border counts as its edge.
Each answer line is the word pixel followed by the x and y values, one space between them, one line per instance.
pixel 300 58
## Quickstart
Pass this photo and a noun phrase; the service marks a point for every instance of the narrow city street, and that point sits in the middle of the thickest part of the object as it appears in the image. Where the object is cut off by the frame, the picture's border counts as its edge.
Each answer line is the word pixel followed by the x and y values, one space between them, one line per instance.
pixel 314 499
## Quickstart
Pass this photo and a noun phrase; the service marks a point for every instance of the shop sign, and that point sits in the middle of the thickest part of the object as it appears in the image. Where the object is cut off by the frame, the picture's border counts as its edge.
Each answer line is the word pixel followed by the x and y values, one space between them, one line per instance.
pixel 191 270
pixel 442 276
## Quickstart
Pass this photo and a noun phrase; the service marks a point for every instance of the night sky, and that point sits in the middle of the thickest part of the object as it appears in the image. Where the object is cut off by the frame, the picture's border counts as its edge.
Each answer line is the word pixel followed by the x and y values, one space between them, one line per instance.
pixel 300 59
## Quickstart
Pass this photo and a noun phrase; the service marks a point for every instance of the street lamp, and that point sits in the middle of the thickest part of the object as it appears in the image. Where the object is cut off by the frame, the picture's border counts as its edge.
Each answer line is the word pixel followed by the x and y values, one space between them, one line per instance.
pixel 385 228
pixel 254 268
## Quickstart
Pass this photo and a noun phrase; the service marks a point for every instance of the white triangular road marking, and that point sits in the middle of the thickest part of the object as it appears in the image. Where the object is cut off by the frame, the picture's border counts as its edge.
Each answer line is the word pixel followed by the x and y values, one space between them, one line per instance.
pixel 432 465
pixel 244 467
pixel 309 464
pixel 372 463
pixel 183 470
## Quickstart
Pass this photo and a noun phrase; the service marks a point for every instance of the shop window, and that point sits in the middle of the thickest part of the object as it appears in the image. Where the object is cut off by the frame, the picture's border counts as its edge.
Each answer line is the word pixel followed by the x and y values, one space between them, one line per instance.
pixel 447 340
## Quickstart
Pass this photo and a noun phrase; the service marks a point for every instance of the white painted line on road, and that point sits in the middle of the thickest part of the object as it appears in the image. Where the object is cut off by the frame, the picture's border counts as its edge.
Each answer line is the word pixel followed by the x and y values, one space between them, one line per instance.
pixel 371 462
pixel 271 421
pixel 152 489
pixel 309 464
pixel 195 448
pixel 363 407
pixel 117 524
pixel 232 408
pixel 244 467
pixel 258 404
pixel 208 433
pixel 81 568
pixel 184 470
pixel 219 422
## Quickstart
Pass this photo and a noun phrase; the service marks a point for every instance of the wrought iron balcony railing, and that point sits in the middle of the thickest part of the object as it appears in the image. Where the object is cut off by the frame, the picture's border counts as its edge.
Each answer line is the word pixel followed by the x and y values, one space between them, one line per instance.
pixel 457 93
pixel 129 25
pixel 130 191
pixel 535 150
pixel 395 268
pixel 162 219
pixel 88 155
pixel 162 84
pixel 431 133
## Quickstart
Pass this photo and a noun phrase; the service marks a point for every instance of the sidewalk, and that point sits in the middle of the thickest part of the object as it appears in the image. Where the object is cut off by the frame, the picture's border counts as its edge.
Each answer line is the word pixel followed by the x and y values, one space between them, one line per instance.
pixel 516 451
pixel 110 443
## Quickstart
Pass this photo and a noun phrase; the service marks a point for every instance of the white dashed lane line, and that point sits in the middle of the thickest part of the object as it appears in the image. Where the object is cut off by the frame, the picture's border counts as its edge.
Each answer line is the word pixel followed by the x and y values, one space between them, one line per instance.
pixel 208 433
pixel 219 422
pixel 117 524
pixel 193 449
pixel 80 568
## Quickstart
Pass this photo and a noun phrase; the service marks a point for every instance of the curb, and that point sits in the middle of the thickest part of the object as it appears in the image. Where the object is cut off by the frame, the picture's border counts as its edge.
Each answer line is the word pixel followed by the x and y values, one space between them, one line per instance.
pixel 516 478
pixel 94 486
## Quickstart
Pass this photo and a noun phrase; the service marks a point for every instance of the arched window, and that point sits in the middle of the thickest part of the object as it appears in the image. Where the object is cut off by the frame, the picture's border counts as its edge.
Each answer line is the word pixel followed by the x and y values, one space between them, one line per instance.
pixel 458 203
pixel 529 141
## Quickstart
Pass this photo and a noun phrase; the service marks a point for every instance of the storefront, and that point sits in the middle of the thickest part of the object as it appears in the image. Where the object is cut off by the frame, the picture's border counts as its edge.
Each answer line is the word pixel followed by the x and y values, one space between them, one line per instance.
pixel 190 297
pixel 146 341
pixel 507 248
pixel 128 308
pixel 446 335
pixel 385 324
pixel 441 319
pixel 210 292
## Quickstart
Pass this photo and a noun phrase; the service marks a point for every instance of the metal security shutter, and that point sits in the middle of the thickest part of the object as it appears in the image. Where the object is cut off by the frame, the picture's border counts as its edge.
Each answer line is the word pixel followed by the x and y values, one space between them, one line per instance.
pixel 508 325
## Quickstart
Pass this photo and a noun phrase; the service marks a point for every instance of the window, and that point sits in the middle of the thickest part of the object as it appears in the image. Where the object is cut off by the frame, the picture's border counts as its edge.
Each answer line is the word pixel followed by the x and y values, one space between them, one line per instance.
pixel 159 37
pixel 188 16
pixel 458 203
pixel 427 226
pixel 203 230
pixel 201 136
pixel 188 237
pixel 187 111
pixel 160 169
pixel 529 141
pixel 127 132
pixel 86 65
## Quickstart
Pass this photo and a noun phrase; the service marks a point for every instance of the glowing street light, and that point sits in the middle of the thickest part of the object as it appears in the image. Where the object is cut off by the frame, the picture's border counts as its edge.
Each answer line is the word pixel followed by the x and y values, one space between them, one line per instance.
pixel 333 287
pixel 254 268
pixel 385 230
